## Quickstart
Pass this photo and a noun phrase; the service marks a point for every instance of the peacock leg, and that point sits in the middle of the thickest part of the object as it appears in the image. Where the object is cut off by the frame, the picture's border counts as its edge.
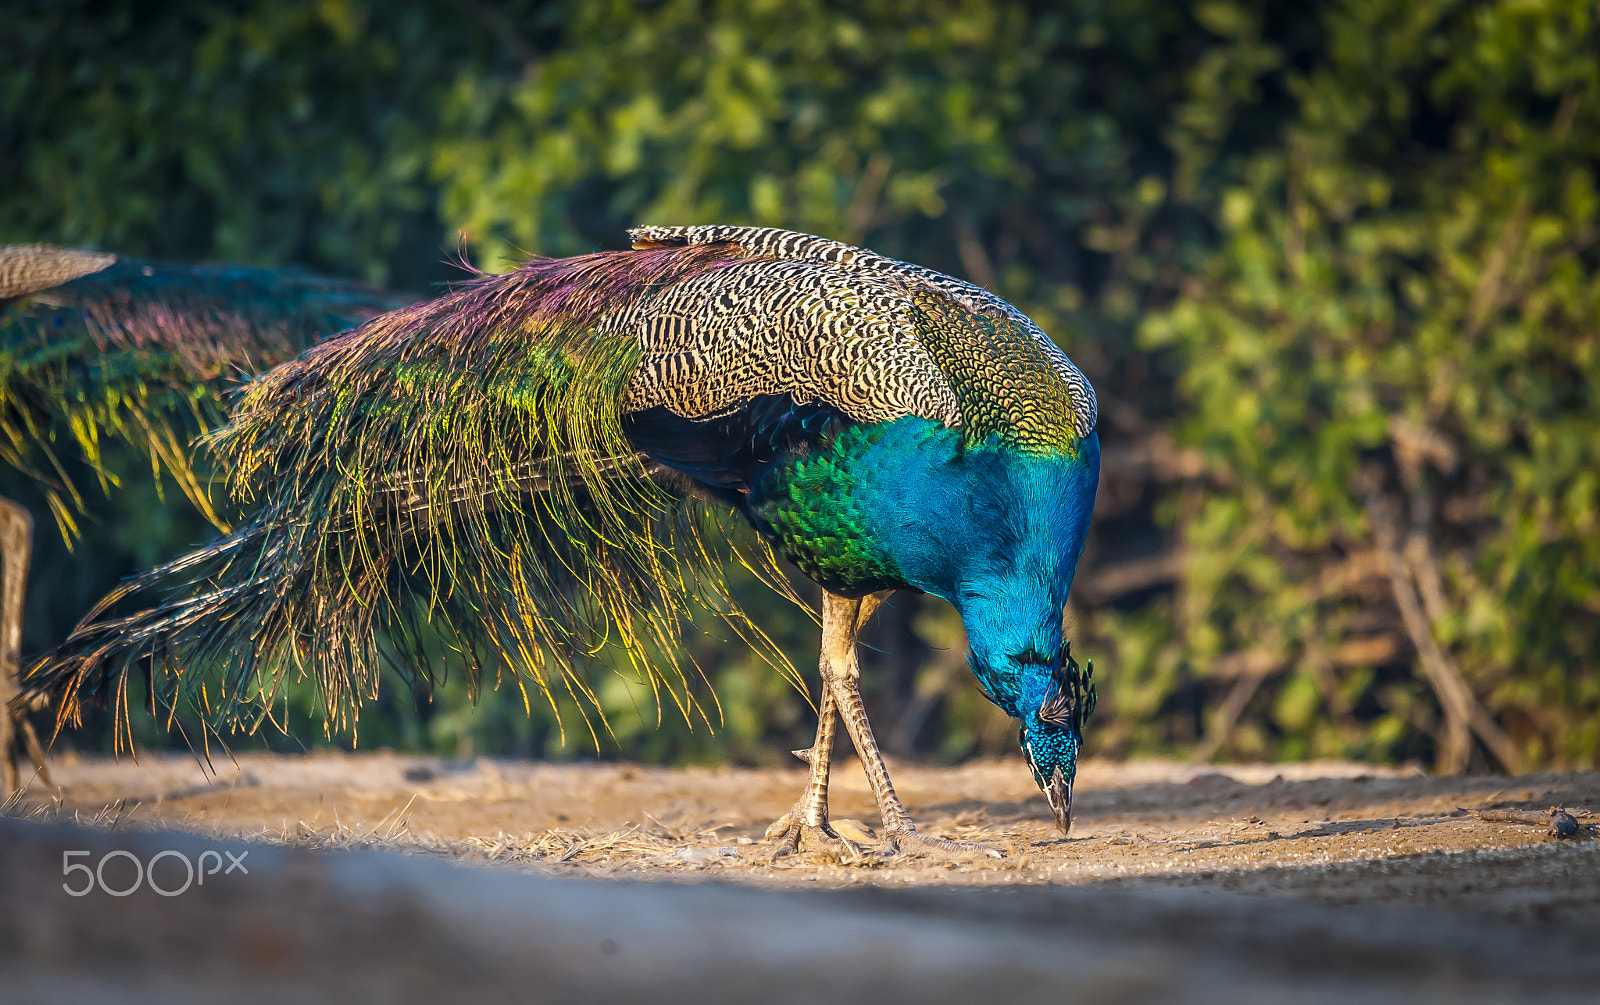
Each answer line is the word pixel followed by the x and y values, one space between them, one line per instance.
pixel 809 815
pixel 16 733
pixel 842 675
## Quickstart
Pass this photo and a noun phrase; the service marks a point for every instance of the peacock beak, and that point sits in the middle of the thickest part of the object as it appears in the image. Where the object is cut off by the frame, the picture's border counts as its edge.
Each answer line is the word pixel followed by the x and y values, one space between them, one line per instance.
pixel 1059 791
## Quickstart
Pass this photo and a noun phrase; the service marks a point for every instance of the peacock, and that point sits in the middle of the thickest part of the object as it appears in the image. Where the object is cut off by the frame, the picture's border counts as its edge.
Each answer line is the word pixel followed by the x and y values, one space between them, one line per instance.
pixel 544 464
pixel 97 347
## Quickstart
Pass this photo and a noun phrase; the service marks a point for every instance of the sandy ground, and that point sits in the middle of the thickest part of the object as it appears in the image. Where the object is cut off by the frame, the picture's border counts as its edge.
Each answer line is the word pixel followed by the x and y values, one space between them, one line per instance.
pixel 395 878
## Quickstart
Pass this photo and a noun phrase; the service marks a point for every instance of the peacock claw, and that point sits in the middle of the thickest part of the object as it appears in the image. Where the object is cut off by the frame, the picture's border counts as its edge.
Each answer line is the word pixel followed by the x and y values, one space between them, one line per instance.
pixel 912 841
pixel 788 830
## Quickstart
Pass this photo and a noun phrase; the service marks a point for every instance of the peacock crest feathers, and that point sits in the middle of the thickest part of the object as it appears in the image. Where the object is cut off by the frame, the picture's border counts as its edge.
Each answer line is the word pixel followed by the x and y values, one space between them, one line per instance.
pixel 1073 696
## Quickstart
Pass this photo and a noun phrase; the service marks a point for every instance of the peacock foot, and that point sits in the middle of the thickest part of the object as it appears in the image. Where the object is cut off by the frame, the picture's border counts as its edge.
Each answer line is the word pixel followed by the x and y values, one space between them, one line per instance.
pixel 789 829
pixel 906 838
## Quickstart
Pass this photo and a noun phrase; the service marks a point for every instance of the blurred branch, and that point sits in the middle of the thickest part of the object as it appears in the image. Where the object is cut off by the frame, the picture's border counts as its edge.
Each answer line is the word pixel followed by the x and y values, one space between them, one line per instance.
pixel 864 204
pixel 505 32
pixel 947 674
pixel 1337 579
pixel 1363 650
pixel 1367 650
pixel 1228 715
pixel 1156 455
pixel 1112 581
pixel 1487 296
pixel 1415 443
pixel 1123 415
pixel 1107 583
pixel 1148 454
pixel 1322 671
pixel 1252 668
pixel 1538 271
pixel 1294 235
pixel 1566 112
pixel 973 258
pixel 1464 715
pixel 1419 559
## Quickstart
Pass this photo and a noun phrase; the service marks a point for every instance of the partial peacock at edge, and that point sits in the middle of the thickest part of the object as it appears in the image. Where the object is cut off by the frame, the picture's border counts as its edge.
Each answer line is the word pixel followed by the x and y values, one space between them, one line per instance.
pixel 530 466
pixel 97 348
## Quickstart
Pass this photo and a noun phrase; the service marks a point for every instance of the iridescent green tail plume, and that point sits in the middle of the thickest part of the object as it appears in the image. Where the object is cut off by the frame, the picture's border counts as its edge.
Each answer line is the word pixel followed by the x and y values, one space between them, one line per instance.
pixel 452 470
pixel 93 348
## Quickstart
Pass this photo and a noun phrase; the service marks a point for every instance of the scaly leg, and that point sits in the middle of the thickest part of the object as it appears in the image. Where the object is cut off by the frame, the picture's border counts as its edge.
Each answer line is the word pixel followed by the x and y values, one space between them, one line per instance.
pixel 809 815
pixel 16 732
pixel 841 674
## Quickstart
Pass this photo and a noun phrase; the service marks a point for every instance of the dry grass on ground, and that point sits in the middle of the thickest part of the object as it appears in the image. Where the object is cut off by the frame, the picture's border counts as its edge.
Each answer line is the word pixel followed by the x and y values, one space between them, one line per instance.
pixel 1238 827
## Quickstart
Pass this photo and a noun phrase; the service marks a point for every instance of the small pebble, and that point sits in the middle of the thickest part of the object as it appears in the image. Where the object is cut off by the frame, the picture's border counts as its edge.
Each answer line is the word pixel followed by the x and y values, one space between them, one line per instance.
pixel 1563 824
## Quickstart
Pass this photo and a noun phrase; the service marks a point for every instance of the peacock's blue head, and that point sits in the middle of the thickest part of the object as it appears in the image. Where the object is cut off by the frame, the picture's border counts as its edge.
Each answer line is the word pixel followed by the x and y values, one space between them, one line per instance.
pixel 1051 697
pixel 1052 733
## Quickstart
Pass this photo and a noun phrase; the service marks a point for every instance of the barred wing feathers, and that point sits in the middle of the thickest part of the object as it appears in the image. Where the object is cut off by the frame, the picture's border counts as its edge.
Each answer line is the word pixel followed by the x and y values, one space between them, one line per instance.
pixel 1031 342
pixel 817 333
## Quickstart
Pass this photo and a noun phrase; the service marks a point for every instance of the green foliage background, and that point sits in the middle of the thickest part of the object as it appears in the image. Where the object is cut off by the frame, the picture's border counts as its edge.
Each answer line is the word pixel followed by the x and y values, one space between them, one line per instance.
pixel 1331 266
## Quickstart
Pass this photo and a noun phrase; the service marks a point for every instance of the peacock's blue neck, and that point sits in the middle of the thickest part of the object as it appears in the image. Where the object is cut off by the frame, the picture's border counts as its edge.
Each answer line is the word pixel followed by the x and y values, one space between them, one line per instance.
pixel 995 530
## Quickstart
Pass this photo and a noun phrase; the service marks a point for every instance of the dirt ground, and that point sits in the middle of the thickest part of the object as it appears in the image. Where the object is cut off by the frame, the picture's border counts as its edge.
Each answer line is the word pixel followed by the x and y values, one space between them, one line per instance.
pixel 1177 883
